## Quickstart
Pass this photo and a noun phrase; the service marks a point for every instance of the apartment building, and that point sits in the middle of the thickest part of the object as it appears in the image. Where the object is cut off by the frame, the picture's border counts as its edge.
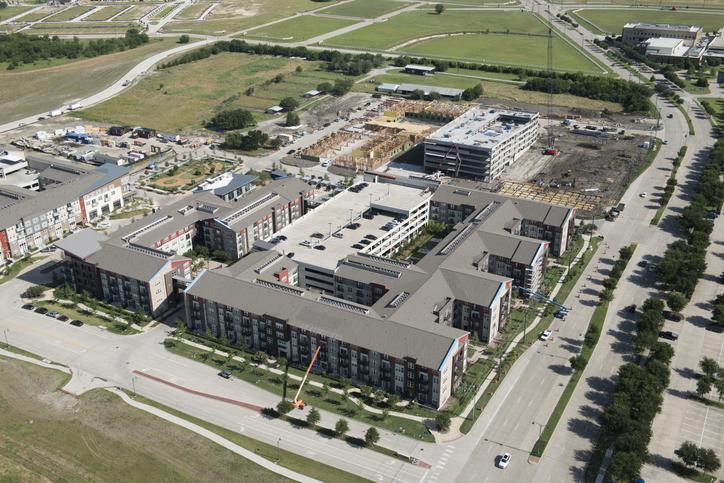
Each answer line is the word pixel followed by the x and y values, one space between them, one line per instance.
pixel 480 143
pixel 637 32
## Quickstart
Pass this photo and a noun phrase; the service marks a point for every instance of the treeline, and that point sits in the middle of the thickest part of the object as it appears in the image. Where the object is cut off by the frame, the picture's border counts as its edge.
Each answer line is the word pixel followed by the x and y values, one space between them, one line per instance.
pixel 671 182
pixel 633 96
pixel 637 401
pixel 26 49
pixel 684 262
pixel 251 141
pixel 233 119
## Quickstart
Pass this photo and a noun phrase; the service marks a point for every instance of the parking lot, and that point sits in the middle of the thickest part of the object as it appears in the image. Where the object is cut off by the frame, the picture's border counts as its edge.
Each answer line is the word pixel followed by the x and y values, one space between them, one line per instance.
pixel 713 346
pixel 704 425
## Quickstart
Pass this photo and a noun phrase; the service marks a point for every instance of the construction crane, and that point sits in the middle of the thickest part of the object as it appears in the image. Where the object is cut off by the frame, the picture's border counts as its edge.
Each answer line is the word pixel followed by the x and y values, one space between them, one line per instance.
pixel 551 135
pixel 563 309
pixel 298 402
pixel 459 159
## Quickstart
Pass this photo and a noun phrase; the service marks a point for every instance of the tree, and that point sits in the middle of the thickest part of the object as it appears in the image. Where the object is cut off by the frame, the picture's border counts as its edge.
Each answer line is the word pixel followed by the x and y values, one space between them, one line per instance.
pixel 292 120
pixel 341 428
pixel 372 436
pixel 233 119
pixel 435 96
pixel 616 418
pixel 284 406
pixel 385 413
pixel 625 466
pixel 184 39
pixel 578 363
pixel 34 291
pixel 289 103
pixel 676 302
pixel 92 304
pixel 661 351
pixel 688 452
pixel 279 78
pixel 468 94
pixel 703 387
pixel 377 397
pixel 393 400
pixel 708 461
pixel 610 283
pixel 139 315
pixel 276 143
pixel 439 8
pixel 299 69
pixel 325 87
pixel 343 382
pixel 365 390
pixel 709 366
pixel 313 417
pixel 443 421
pixel 417 94
pixel 605 295
pixel 325 388
pixel 261 358
pixel 282 362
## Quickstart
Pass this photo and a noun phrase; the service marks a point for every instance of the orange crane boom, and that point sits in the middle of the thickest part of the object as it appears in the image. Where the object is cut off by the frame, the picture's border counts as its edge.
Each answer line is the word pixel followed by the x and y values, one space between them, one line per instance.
pixel 298 402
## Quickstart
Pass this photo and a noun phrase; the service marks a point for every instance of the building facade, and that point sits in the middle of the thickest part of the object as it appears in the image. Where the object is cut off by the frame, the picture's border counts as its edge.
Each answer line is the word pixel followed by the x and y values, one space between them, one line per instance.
pixel 636 32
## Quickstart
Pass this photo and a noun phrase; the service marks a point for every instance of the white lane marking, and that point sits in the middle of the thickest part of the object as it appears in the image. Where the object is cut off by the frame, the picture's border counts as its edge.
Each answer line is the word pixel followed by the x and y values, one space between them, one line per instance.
pixel 166 359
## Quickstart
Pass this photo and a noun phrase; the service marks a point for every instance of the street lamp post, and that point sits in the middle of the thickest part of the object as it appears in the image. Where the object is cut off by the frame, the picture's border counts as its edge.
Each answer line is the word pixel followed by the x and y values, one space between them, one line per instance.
pixel 278 454
pixel 7 344
pixel 540 435
pixel 525 324
pixel 133 381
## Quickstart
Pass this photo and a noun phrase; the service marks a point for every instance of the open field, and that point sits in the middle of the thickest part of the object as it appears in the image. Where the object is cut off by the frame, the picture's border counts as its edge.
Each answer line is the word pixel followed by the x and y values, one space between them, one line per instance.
pixel 165 11
pixel 193 11
pixel 38 14
pixel 365 8
pixel 69 14
pixel 411 25
pixel 505 49
pixel 78 28
pixel 104 14
pixel 10 12
pixel 98 437
pixel 192 91
pixel 718 105
pixel 301 28
pixel 39 90
pixel 612 20
pixel 136 12
pixel 239 15
pixel 495 90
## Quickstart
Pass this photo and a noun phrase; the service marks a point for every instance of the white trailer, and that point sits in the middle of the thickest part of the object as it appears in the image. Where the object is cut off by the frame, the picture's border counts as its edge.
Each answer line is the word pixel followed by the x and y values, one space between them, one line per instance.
pixel 75 105
pixel 174 138
pixel 56 112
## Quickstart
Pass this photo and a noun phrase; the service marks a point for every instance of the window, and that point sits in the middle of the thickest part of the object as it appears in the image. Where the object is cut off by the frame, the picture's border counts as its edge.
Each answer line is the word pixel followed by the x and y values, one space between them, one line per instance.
pixel 410 365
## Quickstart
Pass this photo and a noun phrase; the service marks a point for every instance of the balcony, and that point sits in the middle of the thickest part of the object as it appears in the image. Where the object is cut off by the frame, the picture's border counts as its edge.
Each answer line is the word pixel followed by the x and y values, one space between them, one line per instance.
pixel 364 362
pixel 422 387
pixel 197 314
pixel 304 349
pixel 364 369
pixel 114 290
pixel 343 363
pixel 386 376
pixel 246 332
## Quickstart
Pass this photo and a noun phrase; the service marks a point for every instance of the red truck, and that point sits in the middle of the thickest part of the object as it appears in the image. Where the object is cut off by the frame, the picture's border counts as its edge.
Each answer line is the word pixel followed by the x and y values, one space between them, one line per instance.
pixel 139 143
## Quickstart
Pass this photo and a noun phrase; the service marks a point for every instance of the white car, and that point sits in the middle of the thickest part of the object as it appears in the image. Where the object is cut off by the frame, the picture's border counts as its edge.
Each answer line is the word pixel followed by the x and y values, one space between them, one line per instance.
pixel 545 335
pixel 504 461
pixel 338 235
pixel 305 243
pixel 105 225
pixel 644 194
pixel 652 267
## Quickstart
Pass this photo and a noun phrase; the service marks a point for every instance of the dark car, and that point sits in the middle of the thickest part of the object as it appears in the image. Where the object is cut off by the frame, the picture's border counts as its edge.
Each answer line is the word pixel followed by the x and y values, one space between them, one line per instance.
pixel 365 242
pixel 668 335
pixel 317 235
pixel 291 151
pixel 290 255
pixel 354 189
pixel 41 310
pixel 327 124
pixel 225 374
pixel 63 318
pixel 352 226
pixel 643 263
pixel 77 323
pixel 371 237
pixel 358 246
pixel 282 238
pixel 715 328
pixel 320 247
pixel 28 307
pixel 632 308
pixel 364 185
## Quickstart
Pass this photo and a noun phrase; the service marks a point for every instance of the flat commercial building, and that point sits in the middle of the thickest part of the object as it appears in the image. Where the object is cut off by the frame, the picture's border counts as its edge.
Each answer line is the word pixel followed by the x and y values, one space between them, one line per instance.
pixel 636 32
pixel 480 143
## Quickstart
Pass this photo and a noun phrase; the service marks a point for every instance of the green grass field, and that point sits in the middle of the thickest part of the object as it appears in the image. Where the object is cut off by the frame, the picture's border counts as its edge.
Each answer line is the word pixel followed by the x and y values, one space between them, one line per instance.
pixel 301 28
pixel 614 20
pixel 191 91
pixel 105 13
pixel 69 14
pixel 10 12
pixel 365 8
pixel 193 11
pixel 165 11
pixel 35 16
pixel 78 28
pixel 718 105
pixel 136 12
pixel 505 49
pixel 411 25
pixel 239 15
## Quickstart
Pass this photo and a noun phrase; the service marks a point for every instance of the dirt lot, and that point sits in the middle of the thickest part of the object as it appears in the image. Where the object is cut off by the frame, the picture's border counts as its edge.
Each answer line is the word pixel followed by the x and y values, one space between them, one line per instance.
pixel 51 436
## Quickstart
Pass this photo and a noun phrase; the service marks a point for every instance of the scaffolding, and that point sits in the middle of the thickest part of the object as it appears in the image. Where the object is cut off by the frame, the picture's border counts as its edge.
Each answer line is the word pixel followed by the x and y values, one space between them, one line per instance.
pixel 331 146
pixel 360 163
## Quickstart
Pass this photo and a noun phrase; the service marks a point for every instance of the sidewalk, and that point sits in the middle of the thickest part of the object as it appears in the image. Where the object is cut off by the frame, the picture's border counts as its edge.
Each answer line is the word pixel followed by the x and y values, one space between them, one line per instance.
pixel 454 432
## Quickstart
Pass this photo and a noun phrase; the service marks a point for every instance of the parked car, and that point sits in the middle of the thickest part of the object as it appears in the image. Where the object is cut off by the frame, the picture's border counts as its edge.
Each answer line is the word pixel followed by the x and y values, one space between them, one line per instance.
pixel 305 243
pixel 546 335
pixel 320 247
pixel 652 267
pixel 48 250
pixel 358 246
pixel 282 238
pixel 504 460
pixel 53 314
pixel 643 263
pixel 63 318
pixel 318 235
pixel 668 335
pixel 105 225
pixel 352 226
pixel 371 237
pixel 644 194
pixel 632 309
pixel 225 374
pixel 41 310
pixel 338 235
pixel 365 242
pixel 28 307
pixel 327 124
pixel 715 328
pixel 290 255
pixel 77 323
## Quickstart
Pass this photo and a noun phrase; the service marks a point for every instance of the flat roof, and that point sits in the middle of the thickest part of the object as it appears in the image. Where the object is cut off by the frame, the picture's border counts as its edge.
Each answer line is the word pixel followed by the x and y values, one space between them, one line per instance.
pixel 443 91
pixel 419 67
pixel 335 215
pixel 663 43
pixel 483 127
pixel 648 25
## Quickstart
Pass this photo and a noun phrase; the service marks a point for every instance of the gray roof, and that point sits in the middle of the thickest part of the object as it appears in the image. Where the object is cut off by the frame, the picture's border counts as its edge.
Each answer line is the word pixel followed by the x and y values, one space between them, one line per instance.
pixel 429 344
pixel 58 174
pixel 444 91
pixel 129 262
pixel 237 181
pixel 519 249
pixel 110 173
pixel 83 243
pixel 277 173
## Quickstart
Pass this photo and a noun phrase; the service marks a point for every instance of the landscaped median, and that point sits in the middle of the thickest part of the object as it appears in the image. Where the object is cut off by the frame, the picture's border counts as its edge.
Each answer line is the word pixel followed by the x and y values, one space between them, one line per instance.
pixel 313 395
pixel 545 322
pixel 670 187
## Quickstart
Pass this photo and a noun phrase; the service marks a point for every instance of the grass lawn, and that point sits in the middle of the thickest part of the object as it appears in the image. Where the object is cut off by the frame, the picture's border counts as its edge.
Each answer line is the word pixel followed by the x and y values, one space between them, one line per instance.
pixel 98 437
pixel 238 15
pixel 301 28
pixel 693 88
pixel 136 12
pixel 311 395
pixel 692 474
pixel 505 49
pixel 192 91
pixel 129 214
pixel 613 20
pixel 69 14
pixel 105 13
pixel 37 15
pixel 85 316
pixel 10 12
pixel 193 11
pixel 162 13
pixel 25 93
pixel 411 25
pixel 482 73
pixel 365 8
pixel 495 90
pixel 78 28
